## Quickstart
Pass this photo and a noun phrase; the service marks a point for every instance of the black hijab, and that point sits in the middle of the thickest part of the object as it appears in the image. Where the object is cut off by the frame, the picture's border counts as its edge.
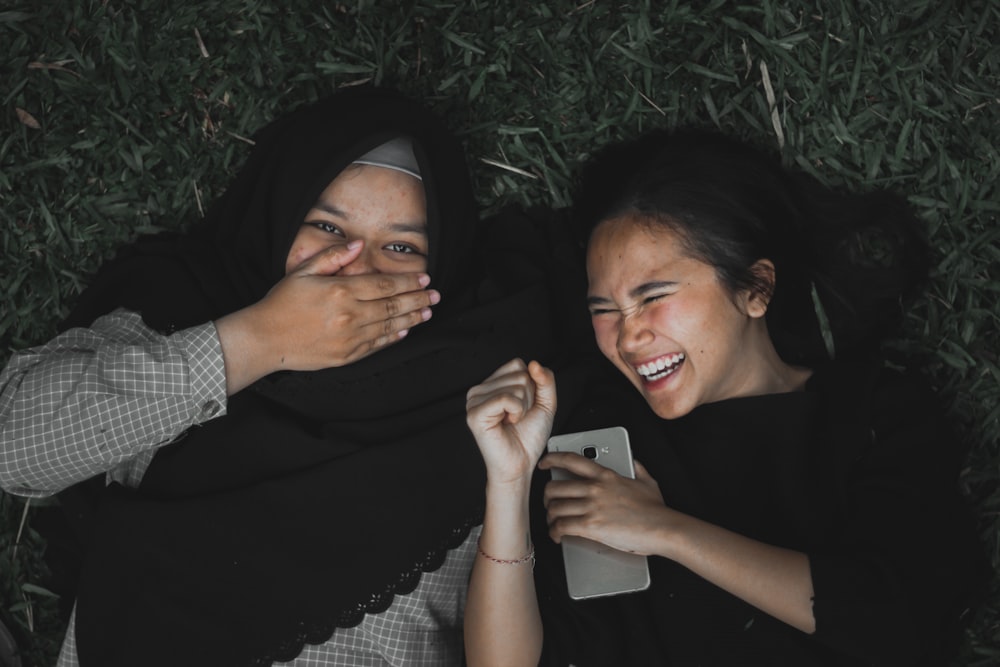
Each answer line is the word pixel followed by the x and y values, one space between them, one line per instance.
pixel 319 496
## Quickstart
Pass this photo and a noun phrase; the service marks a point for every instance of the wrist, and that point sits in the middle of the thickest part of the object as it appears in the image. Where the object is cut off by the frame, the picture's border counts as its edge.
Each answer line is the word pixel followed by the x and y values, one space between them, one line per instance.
pixel 245 352
pixel 506 525
pixel 508 491
pixel 675 536
pixel 528 557
pixel 507 506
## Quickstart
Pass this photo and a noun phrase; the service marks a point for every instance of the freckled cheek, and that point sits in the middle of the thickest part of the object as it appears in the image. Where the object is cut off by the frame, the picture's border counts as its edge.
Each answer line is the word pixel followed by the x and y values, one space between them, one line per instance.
pixel 299 253
pixel 664 314
pixel 292 260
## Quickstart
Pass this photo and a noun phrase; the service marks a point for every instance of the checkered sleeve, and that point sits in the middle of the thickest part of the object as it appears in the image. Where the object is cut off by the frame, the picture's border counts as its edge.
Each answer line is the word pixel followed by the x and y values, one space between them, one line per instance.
pixel 101 399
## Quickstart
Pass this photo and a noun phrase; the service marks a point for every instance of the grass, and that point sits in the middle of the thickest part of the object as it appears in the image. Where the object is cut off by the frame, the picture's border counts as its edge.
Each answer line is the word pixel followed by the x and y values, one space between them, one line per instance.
pixel 128 116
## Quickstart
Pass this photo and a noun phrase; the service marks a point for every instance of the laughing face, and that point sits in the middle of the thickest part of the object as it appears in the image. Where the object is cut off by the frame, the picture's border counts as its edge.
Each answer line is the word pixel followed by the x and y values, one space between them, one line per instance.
pixel 670 326
pixel 383 207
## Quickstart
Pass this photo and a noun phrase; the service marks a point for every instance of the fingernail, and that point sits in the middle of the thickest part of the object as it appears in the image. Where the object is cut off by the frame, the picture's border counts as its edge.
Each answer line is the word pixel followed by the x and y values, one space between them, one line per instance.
pixel 425 314
pixel 402 333
pixel 435 297
pixel 424 280
pixel 356 243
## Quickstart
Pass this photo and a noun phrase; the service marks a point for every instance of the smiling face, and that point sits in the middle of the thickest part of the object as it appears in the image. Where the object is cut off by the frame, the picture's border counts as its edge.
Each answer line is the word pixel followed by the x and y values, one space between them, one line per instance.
pixel 670 326
pixel 383 207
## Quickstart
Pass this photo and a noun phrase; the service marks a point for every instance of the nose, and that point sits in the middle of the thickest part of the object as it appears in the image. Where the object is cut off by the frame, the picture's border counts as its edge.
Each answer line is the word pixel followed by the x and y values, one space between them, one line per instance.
pixel 363 265
pixel 632 330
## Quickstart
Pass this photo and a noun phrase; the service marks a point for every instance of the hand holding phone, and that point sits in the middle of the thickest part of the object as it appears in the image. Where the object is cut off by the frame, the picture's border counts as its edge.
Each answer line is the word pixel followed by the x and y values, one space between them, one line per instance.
pixel 594 569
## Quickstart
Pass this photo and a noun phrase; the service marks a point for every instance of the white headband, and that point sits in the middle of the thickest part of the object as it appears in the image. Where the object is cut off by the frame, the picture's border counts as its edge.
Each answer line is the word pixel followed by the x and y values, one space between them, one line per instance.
pixel 394 154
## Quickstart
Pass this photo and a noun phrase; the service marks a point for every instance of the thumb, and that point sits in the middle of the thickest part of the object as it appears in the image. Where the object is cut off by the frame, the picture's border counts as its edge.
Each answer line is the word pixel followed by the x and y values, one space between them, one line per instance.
pixel 545 387
pixel 332 259
pixel 641 474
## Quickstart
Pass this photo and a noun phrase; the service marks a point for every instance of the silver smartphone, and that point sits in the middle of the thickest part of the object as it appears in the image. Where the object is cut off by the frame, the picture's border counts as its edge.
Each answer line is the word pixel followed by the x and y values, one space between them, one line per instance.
pixel 594 569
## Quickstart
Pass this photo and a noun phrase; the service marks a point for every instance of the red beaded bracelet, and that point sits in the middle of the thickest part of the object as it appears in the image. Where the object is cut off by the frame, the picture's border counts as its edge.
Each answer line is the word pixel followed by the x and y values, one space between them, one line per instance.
pixel 505 561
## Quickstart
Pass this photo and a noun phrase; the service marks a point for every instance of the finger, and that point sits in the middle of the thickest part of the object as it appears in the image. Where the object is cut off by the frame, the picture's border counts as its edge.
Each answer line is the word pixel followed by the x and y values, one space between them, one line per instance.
pixel 513 392
pixel 563 489
pixel 385 332
pixel 572 462
pixel 567 526
pixel 514 372
pixel 381 310
pixel 513 366
pixel 545 387
pixel 375 315
pixel 332 259
pixel 495 409
pixel 516 400
pixel 377 344
pixel 566 508
pixel 641 473
pixel 375 286
pixel 373 337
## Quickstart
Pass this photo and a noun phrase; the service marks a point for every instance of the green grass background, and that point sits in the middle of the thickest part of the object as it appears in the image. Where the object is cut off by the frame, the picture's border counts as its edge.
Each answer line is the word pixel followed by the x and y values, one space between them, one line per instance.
pixel 125 116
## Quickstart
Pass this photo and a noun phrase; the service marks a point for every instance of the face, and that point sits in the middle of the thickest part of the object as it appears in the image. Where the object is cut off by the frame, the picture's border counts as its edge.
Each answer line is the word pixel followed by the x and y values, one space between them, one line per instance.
pixel 383 207
pixel 668 323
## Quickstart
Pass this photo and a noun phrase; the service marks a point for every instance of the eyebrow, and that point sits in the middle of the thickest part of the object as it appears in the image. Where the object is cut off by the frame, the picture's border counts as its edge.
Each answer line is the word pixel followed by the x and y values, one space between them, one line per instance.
pixel 635 293
pixel 331 209
pixel 408 228
pixel 398 227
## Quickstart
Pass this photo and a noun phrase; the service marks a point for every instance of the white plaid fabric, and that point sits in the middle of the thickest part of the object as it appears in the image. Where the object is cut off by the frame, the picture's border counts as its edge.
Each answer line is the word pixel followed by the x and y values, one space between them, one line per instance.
pixel 104 398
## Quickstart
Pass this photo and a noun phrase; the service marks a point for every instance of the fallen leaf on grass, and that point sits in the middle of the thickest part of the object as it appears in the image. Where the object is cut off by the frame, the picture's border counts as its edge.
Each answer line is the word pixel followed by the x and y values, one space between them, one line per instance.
pixel 27 119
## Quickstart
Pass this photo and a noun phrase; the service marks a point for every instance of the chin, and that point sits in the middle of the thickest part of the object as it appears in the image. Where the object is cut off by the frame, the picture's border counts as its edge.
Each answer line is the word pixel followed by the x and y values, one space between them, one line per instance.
pixel 668 409
pixel 670 413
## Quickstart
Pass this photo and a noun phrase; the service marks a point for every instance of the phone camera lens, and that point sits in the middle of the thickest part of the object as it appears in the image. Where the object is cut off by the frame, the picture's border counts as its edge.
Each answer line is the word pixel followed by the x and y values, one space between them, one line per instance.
pixel 590 452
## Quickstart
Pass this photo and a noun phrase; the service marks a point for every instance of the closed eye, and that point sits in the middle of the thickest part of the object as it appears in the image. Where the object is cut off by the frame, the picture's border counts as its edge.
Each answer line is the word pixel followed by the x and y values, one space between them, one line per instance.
pixel 596 311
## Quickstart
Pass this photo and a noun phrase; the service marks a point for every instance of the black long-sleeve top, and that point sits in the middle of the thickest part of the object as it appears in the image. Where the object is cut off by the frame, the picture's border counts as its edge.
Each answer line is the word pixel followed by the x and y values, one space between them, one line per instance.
pixel 859 471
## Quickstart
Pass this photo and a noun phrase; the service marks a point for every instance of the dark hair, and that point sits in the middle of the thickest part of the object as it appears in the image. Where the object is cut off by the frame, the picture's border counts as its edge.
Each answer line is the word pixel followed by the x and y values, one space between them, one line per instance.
pixel 734 204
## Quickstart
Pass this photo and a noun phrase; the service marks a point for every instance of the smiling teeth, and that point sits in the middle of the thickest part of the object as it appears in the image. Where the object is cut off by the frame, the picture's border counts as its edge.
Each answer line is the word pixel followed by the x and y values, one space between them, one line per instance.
pixel 661 368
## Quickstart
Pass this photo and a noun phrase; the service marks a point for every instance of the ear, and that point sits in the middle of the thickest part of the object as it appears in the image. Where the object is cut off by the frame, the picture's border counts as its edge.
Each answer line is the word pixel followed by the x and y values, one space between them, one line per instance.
pixel 759 296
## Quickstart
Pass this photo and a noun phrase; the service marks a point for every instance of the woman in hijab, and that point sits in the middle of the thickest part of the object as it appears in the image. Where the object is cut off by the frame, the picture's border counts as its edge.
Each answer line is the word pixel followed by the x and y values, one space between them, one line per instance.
pixel 281 420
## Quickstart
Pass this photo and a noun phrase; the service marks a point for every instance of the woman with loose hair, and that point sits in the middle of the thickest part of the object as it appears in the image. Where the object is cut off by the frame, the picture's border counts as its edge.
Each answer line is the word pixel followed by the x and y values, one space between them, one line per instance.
pixel 796 498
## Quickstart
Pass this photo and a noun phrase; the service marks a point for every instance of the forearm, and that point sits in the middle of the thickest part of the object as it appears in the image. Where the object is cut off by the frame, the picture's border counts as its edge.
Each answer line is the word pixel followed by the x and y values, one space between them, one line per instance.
pixel 502 622
pixel 94 398
pixel 777 581
pixel 245 351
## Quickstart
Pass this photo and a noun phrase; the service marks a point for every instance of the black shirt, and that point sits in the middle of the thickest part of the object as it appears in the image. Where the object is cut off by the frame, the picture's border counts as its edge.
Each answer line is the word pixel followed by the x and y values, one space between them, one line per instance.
pixel 858 471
